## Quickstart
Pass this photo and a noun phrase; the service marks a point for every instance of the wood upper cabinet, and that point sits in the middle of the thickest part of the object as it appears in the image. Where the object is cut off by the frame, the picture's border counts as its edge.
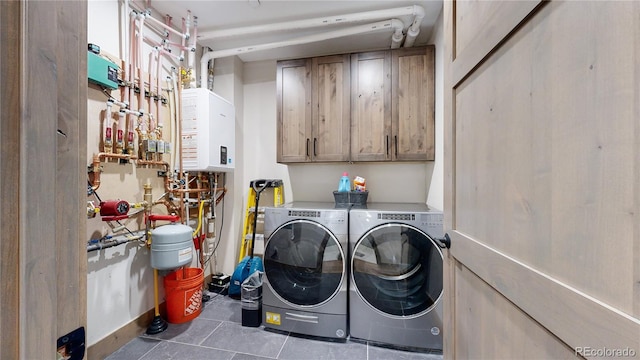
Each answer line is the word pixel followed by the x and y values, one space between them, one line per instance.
pixel 294 110
pixel 413 103
pixel 313 109
pixel 371 106
pixel 393 99
pixel 330 108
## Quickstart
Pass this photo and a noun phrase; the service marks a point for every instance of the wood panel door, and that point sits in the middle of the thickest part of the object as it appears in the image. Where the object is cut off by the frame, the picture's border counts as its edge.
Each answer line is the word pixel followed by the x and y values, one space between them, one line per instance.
pixel 371 106
pixel 294 137
pixel 331 108
pixel 542 188
pixel 413 103
pixel 43 256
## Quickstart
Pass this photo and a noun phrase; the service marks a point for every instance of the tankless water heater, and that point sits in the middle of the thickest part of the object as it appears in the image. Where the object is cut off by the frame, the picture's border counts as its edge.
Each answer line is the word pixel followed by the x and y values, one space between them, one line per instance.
pixel 208 132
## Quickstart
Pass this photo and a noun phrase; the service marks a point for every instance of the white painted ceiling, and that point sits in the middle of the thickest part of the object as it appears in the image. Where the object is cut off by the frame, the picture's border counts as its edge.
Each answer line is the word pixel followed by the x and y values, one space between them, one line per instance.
pixel 232 14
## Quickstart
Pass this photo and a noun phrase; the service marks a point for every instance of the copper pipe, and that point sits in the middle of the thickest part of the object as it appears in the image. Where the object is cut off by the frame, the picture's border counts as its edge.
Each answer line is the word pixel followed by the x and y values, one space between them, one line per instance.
pixel 154 162
pixel 112 155
pixel 166 165
pixel 218 199
pixel 95 166
pixel 196 190
pixel 171 207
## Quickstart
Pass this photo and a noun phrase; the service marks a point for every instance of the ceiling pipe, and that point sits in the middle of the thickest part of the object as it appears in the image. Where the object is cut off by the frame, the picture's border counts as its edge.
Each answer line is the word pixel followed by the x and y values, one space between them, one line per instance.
pixel 414 10
pixel 395 24
pixel 414 29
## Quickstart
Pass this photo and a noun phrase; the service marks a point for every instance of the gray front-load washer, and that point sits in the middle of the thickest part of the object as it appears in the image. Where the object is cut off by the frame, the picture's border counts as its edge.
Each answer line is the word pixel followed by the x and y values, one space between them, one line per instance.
pixel 396 270
pixel 305 269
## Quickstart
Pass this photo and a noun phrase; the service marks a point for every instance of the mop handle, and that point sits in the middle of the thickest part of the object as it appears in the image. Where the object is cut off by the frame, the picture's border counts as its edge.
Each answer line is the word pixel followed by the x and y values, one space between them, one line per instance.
pixel 258 187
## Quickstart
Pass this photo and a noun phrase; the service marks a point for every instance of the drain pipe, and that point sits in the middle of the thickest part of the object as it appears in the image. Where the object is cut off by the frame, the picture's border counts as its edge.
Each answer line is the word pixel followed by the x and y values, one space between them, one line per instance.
pixel 395 24
pixel 414 10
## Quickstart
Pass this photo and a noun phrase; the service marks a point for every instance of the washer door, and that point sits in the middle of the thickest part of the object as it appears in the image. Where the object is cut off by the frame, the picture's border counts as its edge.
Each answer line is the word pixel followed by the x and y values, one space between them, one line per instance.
pixel 397 270
pixel 304 263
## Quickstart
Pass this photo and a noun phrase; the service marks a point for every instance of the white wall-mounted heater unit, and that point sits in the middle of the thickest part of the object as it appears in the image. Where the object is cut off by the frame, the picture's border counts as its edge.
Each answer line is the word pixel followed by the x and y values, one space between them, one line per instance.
pixel 208 132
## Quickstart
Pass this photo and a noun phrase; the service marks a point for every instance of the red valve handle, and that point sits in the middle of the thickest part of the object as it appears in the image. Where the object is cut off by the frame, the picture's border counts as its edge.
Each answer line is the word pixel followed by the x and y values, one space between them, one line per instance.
pixel 172 218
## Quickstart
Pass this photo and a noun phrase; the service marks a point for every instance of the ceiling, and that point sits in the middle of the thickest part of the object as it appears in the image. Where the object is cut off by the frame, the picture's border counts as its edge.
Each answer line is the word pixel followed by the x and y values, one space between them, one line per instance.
pixel 240 14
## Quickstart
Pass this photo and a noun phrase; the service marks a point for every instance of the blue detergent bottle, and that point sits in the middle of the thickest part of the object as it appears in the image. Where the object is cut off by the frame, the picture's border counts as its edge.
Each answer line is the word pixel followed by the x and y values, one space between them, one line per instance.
pixel 345 183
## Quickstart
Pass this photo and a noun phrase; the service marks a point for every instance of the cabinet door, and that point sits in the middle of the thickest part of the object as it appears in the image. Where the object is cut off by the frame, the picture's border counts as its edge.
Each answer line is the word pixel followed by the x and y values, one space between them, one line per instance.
pixel 330 108
pixel 294 110
pixel 413 118
pixel 371 106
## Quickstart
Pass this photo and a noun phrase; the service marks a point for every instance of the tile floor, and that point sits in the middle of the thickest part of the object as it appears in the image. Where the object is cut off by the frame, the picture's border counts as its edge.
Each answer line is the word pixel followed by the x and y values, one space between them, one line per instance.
pixel 218 334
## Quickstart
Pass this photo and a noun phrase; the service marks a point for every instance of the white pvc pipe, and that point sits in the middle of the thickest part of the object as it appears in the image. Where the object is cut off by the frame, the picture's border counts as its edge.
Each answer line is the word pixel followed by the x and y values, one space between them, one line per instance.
pixel 116 102
pixel 414 29
pixel 158 91
pixel 130 79
pixel 152 57
pixel 360 29
pixel 167 27
pixel 124 30
pixel 316 22
pixel 191 56
pixel 120 131
pixel 140 42
pixel 175 130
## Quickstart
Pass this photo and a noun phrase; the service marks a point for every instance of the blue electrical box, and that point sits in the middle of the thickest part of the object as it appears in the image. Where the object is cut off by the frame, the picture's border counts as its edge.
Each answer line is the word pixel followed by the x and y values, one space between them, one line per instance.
pixel 102 71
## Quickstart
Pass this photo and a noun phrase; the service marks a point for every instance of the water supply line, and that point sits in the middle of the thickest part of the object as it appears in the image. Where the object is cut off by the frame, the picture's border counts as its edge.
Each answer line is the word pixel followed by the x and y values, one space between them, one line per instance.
pixel 111 241
pixel 108 128
pixel 395 24
pixel 168 28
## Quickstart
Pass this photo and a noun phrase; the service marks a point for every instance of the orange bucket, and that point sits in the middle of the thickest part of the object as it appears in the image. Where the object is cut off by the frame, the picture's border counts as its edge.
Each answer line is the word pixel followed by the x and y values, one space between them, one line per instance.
pixel 183 293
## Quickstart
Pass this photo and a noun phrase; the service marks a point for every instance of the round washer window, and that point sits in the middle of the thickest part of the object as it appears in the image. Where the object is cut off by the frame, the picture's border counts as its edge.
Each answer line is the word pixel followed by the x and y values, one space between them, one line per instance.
pixel 397 269
pixel 304 263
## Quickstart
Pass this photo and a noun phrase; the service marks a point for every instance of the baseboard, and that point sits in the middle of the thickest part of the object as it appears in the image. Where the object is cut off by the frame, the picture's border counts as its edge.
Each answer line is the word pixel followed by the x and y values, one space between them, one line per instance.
pixel 120 337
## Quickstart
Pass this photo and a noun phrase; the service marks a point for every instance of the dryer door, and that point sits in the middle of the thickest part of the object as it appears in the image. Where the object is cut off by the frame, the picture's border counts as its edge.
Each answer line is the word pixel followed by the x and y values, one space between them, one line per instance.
pixel 397 270
pixel 304 263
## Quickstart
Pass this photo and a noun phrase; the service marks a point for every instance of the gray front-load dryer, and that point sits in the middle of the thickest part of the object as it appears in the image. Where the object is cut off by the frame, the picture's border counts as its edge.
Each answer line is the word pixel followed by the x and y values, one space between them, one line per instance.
pixel 396 270
pixel 305 268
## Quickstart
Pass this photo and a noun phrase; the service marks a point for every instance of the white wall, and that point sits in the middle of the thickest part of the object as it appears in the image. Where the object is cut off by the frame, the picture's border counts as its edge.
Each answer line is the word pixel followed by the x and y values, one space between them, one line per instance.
pixel 435 195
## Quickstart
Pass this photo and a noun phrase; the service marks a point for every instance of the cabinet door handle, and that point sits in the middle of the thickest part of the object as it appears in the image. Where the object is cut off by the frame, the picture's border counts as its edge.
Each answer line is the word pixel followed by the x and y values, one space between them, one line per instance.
pixel 307 147
pixel 315 140
pixel 396 141
pixel 387 139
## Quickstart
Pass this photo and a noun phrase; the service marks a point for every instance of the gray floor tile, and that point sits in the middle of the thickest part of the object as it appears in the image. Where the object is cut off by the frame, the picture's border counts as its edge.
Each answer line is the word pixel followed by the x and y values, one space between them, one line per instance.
pixel 168 350
pixel 220 335
pixel 296 348
pixel 383 353
pixel 223 308
pixel 134 349
pixel 193 332
pixel 239 356
pixel 247 340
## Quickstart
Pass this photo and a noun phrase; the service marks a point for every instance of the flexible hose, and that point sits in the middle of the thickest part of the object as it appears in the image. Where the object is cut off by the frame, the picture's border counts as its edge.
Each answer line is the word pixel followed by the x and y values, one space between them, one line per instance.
pixel 195 233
